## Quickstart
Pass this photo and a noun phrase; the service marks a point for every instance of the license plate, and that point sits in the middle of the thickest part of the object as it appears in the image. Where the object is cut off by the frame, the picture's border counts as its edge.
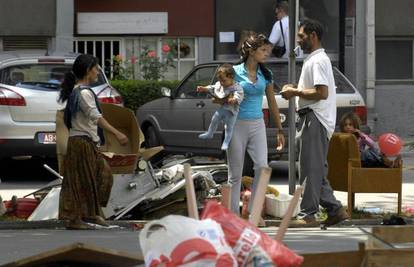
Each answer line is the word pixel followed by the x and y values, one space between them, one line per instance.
pixel 46 138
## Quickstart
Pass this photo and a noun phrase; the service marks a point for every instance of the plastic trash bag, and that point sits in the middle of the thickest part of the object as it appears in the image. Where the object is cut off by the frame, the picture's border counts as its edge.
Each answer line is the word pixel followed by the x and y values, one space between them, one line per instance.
pixel 243 237
pixel 181 241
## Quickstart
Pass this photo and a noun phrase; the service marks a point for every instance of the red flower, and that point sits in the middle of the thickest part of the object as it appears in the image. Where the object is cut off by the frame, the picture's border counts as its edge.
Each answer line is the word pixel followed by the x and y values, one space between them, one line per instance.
pixel 151 53
pixel 133 60
pixel 165 48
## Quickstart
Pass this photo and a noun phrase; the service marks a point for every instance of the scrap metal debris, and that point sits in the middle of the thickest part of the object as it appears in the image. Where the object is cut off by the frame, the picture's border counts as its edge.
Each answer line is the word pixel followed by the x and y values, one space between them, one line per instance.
pixel 147 191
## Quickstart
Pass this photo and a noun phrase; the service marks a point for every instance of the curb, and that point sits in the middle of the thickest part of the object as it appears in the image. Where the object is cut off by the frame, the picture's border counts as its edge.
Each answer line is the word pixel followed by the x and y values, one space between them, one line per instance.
pixel 137 225
pixel 60 225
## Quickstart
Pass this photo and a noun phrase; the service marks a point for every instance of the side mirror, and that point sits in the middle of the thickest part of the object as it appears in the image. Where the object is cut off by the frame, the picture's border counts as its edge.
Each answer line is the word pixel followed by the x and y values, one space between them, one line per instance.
pixel 166 91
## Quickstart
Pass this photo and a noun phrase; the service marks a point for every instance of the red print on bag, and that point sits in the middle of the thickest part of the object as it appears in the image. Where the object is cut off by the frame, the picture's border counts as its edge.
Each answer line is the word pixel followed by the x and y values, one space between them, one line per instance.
pixel 193 250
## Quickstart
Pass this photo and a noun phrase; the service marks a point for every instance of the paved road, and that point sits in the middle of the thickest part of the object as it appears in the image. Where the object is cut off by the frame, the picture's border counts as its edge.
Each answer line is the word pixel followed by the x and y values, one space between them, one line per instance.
pixel 16 245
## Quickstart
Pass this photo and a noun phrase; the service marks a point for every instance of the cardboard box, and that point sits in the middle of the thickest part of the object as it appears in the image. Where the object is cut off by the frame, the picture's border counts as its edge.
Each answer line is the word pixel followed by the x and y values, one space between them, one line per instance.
pixel 122 159
pixel 277 206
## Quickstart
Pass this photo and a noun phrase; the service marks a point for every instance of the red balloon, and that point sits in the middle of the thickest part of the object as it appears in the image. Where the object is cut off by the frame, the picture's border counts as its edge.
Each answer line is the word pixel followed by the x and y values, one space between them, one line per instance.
pixel 390 144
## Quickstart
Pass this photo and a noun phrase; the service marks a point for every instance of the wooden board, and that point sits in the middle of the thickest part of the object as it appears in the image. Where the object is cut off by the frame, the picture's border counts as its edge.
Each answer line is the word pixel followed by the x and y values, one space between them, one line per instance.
pixel 395 233
pixel 388 258
pixel 333 259
pixel 79 254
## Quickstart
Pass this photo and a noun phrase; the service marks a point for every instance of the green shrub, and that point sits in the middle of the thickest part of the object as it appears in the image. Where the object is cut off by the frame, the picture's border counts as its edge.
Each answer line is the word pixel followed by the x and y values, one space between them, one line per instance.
pixel 137 93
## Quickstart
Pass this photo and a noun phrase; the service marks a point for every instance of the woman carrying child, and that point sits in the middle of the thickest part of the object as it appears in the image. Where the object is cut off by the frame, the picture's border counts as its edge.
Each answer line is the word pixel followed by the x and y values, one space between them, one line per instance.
pixel 250 131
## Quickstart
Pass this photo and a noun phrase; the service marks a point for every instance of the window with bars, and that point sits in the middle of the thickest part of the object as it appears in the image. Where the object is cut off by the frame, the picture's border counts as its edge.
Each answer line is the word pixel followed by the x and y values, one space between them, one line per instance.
pixel 184 52
pixel 104 50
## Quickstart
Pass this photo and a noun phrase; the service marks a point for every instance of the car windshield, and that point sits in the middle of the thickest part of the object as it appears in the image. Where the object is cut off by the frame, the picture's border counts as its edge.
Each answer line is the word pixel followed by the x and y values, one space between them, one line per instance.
pixel 280 76
pixel 33 76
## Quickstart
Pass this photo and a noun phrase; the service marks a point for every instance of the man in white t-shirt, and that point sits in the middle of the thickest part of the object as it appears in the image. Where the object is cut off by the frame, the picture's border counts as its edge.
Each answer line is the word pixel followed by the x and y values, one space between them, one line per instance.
pixel 317 115
pixel 276 38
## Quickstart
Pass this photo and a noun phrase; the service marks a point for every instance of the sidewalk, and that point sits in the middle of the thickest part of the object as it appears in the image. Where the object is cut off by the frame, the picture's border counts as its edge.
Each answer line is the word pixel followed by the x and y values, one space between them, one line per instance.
pixel 386 202
pixel 18 244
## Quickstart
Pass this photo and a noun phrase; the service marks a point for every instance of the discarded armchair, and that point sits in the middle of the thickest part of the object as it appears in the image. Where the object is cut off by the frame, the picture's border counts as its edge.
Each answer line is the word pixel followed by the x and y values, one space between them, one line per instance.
pixel 346 174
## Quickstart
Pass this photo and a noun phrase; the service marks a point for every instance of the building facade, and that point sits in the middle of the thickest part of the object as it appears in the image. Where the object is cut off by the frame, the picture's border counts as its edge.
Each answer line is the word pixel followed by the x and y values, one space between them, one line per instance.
pixel 371 41
pixel 110 28
pixel 379 60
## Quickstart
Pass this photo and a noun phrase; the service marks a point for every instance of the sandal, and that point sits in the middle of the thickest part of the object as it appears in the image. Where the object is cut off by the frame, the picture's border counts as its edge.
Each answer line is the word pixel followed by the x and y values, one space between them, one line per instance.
pixel 96 220
pixel 79 225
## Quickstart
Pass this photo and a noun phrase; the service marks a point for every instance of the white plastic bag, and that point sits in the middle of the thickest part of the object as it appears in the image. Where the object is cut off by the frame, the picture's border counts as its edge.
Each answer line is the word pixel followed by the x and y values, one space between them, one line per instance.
pixel 181 241
pixel 173 173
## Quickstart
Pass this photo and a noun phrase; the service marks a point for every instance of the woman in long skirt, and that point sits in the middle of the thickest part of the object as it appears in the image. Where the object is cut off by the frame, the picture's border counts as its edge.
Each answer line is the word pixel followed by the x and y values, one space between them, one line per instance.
pixel 87 178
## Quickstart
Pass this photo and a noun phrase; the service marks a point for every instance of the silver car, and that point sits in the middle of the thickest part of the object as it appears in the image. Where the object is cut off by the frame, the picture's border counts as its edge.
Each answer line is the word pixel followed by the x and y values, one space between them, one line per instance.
pixel 29 89
pixel 176 120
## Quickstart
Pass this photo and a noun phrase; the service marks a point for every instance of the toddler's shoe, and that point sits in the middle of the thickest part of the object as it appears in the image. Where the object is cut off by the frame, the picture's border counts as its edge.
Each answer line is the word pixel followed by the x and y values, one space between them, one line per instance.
pixel 224 147
pixel 205 136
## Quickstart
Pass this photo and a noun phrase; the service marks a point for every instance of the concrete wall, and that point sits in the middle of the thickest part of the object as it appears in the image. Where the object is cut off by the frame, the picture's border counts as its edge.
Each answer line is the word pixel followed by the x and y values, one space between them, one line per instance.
pixel 394 18
pixel 393 100
pixel 205 49
pixel 394 105
pixel 63 40
pixel 27 18
pixel 185 17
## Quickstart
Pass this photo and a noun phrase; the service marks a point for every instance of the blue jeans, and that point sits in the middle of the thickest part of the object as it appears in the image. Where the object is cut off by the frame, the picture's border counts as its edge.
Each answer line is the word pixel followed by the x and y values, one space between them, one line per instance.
pixel 229 119
pixel 371 158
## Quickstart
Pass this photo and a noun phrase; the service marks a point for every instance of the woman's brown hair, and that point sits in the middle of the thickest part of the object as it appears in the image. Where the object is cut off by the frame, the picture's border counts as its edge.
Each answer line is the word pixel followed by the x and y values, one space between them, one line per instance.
pixel 250 40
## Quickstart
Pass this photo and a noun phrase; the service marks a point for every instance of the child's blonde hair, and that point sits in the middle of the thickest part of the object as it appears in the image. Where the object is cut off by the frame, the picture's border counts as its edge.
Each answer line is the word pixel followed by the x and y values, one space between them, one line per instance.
pixel 356 121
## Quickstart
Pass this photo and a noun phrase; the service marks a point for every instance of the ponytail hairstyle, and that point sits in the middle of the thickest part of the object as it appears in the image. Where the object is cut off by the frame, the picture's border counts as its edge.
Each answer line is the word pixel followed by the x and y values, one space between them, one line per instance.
pixel 82 65
pixel 251 41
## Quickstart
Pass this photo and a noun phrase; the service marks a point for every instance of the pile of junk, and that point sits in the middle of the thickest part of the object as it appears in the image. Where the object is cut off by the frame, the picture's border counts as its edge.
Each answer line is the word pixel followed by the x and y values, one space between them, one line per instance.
pixel 142 189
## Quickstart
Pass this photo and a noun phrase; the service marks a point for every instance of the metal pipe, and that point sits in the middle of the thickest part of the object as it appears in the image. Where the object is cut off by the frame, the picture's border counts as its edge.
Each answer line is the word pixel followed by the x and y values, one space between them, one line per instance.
pixel 293 22
pixel 55 173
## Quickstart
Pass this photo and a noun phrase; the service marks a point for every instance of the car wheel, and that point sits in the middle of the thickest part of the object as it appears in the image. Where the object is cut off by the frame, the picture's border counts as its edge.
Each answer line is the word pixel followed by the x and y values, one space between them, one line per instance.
pixel 151 137
pixel 151 140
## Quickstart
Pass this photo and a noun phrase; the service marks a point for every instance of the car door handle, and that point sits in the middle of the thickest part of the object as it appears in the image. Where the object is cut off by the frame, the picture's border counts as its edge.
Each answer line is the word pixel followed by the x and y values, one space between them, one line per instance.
pixel 200 104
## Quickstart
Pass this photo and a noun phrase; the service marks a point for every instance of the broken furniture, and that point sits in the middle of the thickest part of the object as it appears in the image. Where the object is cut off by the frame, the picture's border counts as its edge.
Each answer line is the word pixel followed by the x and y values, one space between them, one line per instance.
pixel 136 185
pixel 346 174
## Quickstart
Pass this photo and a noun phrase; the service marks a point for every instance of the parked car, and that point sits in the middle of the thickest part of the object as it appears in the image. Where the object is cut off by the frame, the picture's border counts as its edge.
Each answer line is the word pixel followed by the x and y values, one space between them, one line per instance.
pixel 176 120
pixel 29 88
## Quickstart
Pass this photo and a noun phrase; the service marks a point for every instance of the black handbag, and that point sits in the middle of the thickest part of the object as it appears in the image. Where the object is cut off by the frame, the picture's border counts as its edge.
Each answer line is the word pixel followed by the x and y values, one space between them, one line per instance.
pixel 279 51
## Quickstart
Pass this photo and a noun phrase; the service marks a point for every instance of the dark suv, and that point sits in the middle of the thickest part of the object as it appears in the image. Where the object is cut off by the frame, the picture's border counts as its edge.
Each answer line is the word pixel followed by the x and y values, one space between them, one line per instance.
pixel 176 120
